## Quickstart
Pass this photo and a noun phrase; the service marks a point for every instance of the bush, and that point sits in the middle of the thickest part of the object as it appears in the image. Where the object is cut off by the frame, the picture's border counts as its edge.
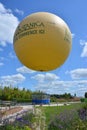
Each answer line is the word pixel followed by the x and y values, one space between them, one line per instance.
pixel 82 99
pixel 85 100
pixel 23 101
pixel 64 120
pixel 10 127
pixel 21 123
pixel 83 113
pixel 70 120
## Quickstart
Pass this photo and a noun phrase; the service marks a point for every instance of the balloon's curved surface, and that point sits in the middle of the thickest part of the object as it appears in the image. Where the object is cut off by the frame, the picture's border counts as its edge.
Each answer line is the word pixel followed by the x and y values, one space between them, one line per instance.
pixel 42 41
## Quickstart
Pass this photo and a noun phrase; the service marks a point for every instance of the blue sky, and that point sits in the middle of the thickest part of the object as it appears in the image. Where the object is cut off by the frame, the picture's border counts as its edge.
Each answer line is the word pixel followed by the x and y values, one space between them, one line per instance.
pixel 71 77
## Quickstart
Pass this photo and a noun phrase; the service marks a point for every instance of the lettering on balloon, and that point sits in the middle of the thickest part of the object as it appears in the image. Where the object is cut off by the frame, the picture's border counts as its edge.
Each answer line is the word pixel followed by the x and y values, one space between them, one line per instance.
pixel 29 29
pixel 67 36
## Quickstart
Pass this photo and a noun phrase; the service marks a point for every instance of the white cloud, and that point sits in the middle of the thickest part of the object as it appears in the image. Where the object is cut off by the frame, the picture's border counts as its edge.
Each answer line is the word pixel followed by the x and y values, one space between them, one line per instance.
pixel 38 77
pixel 78 73
pixel 51 76
pixel 11 55
pixel 45 77
pixel 3 10
pixel 84 51
pixel 51 83
pixel 82 42
pixel 60 87
pixel 8 24
pixel 25 70
pixel 1 64
pixel 73 35
pixel 12 79
pixel 20 12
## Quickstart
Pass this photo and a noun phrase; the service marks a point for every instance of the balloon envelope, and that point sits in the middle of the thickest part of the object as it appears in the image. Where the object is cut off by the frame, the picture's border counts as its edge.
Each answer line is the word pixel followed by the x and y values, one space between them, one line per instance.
pixel 42 41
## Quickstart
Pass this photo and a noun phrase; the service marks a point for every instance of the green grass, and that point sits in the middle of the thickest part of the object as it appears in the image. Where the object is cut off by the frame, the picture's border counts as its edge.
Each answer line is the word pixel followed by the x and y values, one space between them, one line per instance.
pixel 50 111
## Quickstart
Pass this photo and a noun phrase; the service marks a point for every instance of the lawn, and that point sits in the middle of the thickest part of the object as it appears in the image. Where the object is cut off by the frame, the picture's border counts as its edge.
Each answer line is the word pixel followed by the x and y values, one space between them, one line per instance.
pixel 50 111
pixel 67 117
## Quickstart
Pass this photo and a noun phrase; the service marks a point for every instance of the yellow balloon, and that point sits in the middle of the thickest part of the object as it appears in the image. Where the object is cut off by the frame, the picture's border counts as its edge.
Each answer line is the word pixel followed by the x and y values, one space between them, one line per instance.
pixel 42 41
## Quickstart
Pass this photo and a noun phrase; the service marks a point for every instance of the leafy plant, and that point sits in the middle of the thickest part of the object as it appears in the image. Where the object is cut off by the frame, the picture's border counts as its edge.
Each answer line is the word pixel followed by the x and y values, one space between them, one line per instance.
pixel 83 113
pixel 21 123
pixel 63 121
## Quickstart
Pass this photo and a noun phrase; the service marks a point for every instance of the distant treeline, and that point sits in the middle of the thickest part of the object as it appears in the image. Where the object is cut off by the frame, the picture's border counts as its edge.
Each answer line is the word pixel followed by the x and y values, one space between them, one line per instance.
pixel 65 95
pixel 10 93
pixel 23 95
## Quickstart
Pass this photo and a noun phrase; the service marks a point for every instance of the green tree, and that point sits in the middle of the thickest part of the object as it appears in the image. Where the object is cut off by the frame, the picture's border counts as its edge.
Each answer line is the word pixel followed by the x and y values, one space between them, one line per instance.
pixel 85 94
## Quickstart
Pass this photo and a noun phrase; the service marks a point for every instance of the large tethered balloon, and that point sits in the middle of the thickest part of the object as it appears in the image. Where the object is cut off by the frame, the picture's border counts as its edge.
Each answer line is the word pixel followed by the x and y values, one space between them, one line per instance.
pixel 42 41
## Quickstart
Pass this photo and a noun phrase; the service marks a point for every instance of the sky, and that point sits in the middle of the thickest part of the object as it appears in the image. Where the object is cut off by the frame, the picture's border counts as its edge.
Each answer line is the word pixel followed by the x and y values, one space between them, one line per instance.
pixel 71 77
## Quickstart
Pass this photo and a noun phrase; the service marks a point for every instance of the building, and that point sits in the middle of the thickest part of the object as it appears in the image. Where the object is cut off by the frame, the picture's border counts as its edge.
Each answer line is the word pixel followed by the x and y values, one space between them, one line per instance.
pixel 40 98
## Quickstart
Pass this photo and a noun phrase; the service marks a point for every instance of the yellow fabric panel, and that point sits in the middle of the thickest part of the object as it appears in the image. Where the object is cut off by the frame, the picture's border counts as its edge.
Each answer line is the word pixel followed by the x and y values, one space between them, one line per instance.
pixel 42 41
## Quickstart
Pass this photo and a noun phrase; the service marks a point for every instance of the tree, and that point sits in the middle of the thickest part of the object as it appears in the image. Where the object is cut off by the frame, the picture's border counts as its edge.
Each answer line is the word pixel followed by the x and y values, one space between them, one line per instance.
pixel 85 94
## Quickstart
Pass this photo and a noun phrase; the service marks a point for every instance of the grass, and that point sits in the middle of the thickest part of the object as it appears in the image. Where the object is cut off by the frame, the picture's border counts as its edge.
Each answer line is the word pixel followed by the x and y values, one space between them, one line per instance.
pixel 65 117
pixel 50 111
pixel 56 116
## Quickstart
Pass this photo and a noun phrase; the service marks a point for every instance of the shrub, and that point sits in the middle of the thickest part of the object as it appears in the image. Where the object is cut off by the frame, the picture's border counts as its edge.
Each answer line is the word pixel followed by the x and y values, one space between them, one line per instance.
pixel 85 100
pixel 64 120
pixel 23 101
pixel 21 123
pixel 83 113
pixel 82 99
